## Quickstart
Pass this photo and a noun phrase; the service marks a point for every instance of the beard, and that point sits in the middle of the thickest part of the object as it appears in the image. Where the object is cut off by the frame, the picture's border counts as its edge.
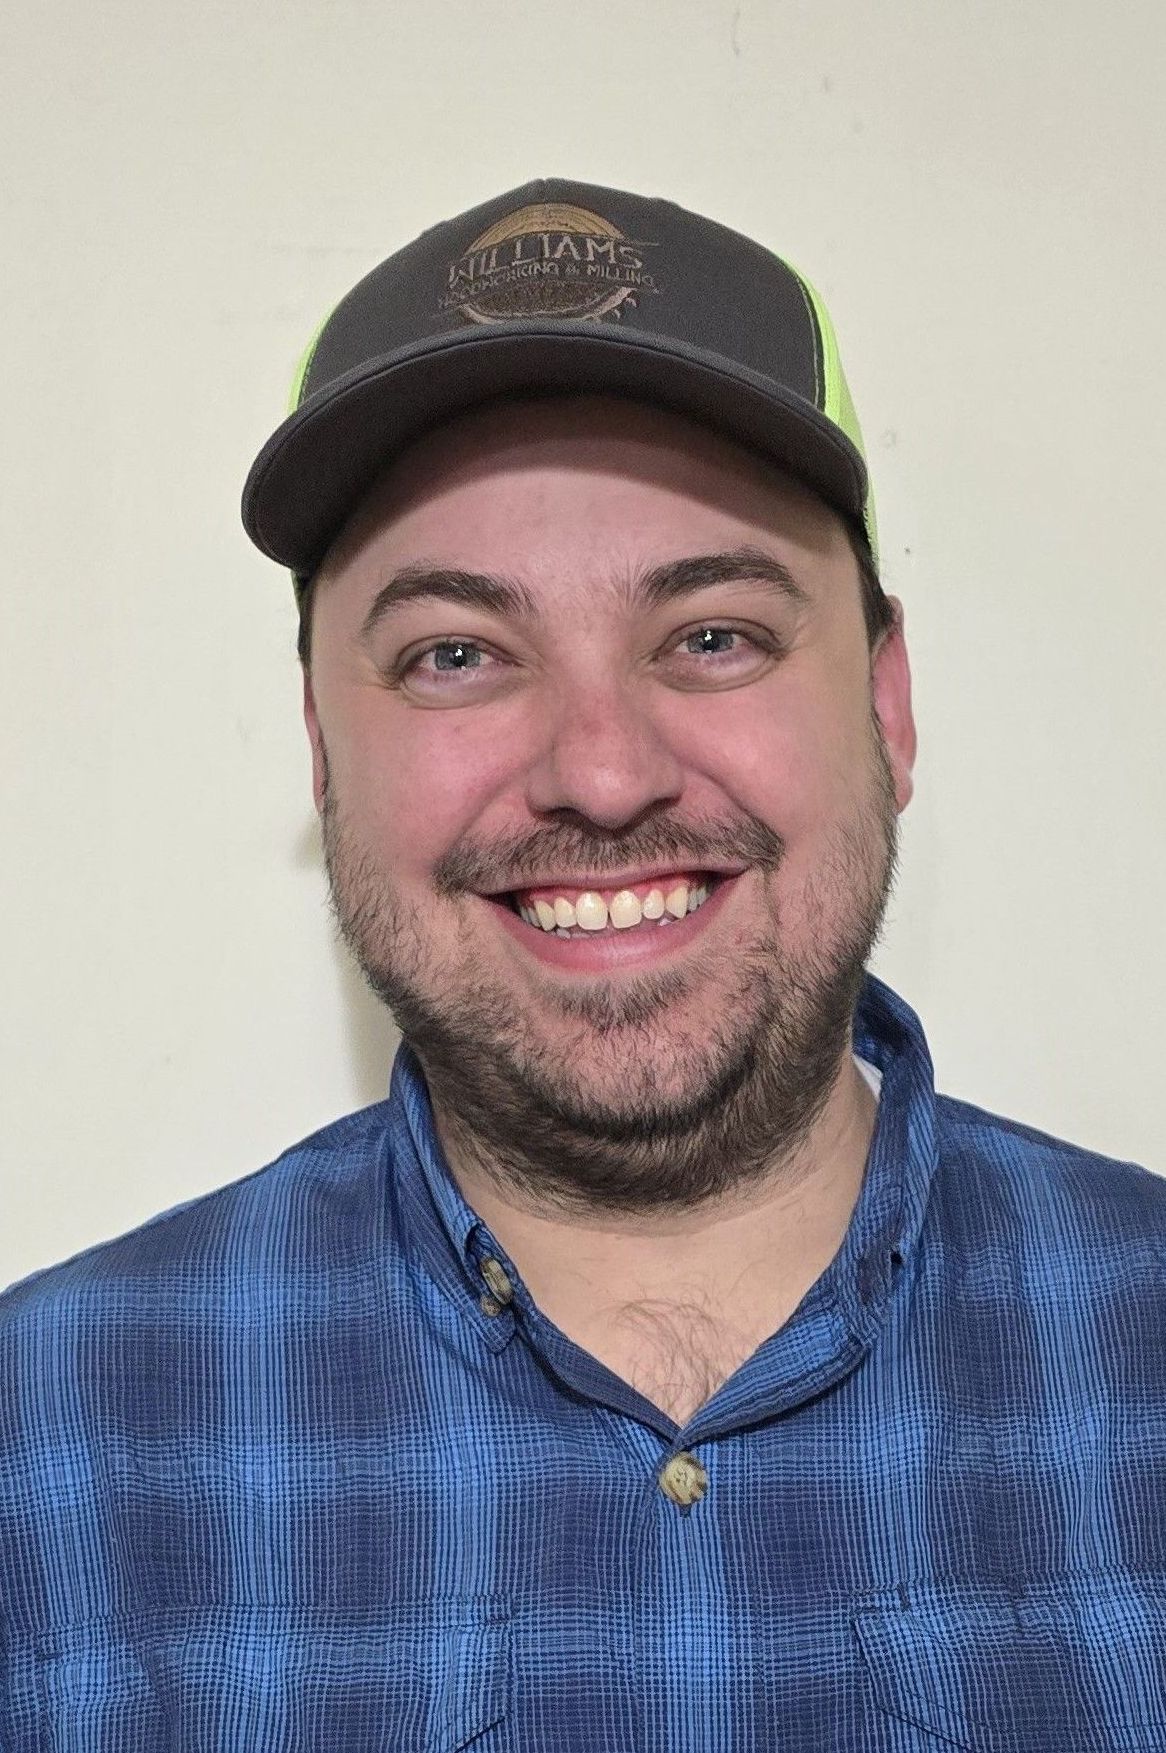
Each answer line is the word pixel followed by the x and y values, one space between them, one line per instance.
pixel 614 1094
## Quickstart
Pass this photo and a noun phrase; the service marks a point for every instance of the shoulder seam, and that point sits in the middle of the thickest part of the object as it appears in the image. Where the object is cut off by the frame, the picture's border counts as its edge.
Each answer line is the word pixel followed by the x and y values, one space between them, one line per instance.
pixel 969 1117
pixel 321 1144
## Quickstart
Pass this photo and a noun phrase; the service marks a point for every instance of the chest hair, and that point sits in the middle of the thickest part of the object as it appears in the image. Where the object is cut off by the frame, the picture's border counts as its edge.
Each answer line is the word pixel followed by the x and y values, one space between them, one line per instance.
pixel 676 1354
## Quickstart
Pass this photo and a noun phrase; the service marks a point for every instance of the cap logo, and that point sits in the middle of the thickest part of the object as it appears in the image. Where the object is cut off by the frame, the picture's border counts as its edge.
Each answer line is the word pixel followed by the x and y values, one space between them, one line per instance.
pixel 548 260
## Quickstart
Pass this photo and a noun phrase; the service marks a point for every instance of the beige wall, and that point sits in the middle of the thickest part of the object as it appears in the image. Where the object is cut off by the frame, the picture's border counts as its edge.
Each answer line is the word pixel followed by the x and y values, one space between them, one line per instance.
pixel 977 190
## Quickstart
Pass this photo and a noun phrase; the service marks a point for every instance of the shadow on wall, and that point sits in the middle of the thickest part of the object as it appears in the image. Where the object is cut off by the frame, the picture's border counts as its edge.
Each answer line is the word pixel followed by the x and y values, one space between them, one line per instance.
pixel 373 1037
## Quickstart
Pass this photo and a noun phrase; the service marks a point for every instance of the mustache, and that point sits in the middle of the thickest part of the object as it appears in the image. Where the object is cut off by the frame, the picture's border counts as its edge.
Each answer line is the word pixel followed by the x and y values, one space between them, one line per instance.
pixel 688 844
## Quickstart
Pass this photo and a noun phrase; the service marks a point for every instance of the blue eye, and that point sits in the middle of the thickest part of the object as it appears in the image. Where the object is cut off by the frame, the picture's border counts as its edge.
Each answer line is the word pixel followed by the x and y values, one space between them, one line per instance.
pixel 457 657
pixel 458 646
pixel 461 653
pixel 715 633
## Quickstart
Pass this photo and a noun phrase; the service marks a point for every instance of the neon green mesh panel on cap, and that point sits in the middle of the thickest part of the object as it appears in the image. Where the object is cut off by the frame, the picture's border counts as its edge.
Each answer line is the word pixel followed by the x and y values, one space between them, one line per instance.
pixel 837 403
pixel 305 364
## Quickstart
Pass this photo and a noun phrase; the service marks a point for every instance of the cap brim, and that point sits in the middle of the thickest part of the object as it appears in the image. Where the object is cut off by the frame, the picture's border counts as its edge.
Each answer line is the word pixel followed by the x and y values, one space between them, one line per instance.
pixel 320 462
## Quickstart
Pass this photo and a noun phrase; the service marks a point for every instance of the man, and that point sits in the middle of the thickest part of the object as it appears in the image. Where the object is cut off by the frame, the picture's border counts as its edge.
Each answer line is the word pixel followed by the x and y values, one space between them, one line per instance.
pixel 664 1365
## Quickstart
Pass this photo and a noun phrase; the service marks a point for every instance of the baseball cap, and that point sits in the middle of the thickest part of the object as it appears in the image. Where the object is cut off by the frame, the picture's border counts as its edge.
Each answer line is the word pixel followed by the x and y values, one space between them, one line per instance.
pixel 553 288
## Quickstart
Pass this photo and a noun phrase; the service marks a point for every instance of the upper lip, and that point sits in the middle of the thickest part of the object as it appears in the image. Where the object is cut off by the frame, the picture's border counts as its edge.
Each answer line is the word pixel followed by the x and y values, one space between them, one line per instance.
pixel 616 879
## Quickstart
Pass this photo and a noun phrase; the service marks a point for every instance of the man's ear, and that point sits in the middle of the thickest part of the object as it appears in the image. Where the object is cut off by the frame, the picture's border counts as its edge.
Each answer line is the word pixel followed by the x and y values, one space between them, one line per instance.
pixel 890 679
pixel 316 739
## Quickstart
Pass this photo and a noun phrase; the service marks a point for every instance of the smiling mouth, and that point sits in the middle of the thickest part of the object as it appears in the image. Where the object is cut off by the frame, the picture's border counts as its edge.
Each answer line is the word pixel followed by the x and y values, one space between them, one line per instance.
pixel 595 913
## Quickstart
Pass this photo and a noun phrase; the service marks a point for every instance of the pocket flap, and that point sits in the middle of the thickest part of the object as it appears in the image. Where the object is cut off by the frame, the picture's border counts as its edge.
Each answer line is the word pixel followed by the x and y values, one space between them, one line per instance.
pixel 432 1675
pixel 1072 1666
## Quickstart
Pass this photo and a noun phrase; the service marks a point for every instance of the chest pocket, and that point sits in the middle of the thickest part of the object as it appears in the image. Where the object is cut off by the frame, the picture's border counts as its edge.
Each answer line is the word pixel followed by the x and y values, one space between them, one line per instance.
pixel 432 1677
pixel 1074 1666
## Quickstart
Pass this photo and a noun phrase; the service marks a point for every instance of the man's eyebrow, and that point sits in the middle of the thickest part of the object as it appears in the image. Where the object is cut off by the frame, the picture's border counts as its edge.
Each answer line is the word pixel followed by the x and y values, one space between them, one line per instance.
pixel 744 565
pixel 510 600
pixel 450 584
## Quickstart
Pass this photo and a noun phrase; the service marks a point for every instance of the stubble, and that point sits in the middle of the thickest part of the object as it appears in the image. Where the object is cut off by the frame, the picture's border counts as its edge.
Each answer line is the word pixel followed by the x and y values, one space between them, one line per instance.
pixel 620 1094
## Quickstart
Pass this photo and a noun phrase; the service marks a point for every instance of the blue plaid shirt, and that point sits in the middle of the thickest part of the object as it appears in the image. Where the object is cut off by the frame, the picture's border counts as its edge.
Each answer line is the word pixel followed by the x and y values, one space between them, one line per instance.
pixel 279 1471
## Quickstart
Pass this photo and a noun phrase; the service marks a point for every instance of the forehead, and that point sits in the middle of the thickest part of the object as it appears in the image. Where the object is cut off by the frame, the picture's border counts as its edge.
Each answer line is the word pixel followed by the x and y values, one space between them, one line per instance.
pixel 544 487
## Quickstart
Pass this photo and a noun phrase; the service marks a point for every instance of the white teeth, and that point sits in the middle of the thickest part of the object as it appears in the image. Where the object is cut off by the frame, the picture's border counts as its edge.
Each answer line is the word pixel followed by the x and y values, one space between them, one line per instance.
pixel 590 911
pixel 625 910
pixel 676 901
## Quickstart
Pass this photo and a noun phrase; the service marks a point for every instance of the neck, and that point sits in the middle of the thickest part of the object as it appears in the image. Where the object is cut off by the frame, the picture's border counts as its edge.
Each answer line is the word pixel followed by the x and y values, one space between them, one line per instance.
pixel 738 1266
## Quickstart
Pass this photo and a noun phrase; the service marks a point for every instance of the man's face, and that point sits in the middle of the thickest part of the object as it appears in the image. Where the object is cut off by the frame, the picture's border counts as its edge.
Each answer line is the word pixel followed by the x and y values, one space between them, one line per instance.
pixel 460 751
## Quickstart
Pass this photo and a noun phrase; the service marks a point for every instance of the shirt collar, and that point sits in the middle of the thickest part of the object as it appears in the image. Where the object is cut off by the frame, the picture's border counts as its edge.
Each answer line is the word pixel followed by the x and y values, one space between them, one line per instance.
pixel 450 1241
pixel 887 1220
pixel 437 1227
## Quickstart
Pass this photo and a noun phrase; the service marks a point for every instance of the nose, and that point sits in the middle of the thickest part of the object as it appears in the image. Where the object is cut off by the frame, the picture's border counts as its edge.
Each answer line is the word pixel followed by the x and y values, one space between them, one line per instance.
pixel 602 753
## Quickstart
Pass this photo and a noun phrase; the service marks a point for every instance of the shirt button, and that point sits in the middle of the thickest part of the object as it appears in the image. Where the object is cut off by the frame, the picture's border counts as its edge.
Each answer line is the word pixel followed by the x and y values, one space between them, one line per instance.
pixel 683 1479
pixel 500 1287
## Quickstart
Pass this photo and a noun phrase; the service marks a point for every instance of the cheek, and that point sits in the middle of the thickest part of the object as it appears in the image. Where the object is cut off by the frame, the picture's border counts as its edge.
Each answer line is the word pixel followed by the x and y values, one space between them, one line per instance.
pixel 787 761
pixel 417 784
